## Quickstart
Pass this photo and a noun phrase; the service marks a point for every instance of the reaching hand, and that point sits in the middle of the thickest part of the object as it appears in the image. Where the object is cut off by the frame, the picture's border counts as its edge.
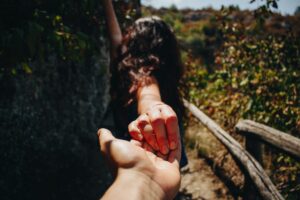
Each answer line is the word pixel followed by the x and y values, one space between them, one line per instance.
pixel 158 127
pixel 130 159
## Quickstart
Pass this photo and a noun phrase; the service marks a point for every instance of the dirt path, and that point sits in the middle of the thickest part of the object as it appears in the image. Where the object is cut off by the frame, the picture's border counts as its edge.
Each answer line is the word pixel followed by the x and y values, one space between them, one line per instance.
pixel 200 182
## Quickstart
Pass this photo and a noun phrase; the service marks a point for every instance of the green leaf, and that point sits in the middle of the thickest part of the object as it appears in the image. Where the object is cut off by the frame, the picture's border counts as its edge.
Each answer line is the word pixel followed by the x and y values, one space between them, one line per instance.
pixel 13 71
pixel 26 68
pixel 244 82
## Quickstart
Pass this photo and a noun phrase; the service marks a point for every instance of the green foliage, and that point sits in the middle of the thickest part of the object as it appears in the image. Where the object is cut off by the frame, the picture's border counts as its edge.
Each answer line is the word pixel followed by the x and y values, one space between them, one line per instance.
pixel 270 84
pixel 268 3
pixel 297 11
pixel 173 8
pixel 258 79
pixel 70 30
pixel 236 68
pixel 35 29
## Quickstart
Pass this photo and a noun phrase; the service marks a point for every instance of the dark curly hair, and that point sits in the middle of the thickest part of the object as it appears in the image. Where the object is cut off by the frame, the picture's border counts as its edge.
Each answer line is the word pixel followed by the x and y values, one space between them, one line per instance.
pixel 149 48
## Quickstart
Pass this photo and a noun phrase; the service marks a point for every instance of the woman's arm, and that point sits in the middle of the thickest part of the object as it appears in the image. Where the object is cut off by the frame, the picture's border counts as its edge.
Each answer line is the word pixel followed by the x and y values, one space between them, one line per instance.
pixel 157 123
pixel 114 31
pixel 148 96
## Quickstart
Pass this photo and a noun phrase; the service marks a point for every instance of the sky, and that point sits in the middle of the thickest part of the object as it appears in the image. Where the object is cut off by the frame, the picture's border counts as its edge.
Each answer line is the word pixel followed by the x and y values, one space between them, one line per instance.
pixel 285 6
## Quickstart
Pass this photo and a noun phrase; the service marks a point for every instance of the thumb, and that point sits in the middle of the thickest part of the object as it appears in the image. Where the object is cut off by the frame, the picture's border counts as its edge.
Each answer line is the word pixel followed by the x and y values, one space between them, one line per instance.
pixel 105 138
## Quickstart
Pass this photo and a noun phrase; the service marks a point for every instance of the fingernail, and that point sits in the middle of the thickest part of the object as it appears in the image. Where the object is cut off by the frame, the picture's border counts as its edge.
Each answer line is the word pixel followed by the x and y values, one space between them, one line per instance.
pixel 148 128
pixel 165 150
pixel 140 136
pixel 173 145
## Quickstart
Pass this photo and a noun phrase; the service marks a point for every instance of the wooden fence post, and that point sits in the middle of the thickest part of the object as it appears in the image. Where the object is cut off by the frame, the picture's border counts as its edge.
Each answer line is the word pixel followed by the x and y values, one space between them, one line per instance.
pixel 254 147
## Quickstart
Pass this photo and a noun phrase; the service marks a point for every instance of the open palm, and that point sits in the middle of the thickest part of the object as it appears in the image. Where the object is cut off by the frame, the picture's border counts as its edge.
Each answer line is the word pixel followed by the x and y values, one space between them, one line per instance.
pixel 133 156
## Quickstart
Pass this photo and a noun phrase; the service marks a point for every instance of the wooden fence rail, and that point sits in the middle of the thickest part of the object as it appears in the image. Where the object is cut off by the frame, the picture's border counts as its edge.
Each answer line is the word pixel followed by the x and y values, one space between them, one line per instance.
pixel 270 135
pixel 259 177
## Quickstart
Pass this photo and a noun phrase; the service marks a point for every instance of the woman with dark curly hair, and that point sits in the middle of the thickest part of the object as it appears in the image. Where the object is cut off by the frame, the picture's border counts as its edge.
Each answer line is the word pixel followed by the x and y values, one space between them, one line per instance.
pixel 145 72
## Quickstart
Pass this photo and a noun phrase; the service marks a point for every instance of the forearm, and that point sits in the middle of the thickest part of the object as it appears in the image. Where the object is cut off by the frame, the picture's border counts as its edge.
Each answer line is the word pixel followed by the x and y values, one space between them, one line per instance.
pixel 114 31
pixel 147 96
pixel 135 186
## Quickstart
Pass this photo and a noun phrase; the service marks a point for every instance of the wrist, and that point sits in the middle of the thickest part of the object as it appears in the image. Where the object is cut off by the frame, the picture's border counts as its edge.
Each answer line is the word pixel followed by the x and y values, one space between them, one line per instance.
pixel 139 185
pixel 147 96
pixel 145 105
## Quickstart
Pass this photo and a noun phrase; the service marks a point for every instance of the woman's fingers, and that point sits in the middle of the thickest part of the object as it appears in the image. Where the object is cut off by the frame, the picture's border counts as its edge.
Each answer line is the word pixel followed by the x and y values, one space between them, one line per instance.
pixel 136 143
pixel 171 123
pixel 162 156
pixel 147 131
pixel 158 124
pixel 175 155
pixel 147 147
pixel 134 131
pixel 159 128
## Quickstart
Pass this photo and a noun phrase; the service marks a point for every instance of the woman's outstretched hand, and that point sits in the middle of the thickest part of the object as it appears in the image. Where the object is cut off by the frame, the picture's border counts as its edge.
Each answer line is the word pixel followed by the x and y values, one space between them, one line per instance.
pixel 140 173
pixel 158 127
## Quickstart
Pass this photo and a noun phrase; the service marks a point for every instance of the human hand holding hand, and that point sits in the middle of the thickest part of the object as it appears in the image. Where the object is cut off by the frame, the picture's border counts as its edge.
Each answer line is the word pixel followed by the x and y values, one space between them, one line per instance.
pixel 158 127
pixel 142 174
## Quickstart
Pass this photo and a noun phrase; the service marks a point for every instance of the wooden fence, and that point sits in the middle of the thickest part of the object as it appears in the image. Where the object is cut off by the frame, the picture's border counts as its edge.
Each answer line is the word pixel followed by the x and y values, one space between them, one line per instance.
pixel 251 157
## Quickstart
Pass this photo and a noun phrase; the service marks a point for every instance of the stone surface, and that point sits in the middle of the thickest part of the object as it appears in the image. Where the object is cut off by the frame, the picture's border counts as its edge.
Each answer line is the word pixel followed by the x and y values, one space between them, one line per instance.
pixel 49 120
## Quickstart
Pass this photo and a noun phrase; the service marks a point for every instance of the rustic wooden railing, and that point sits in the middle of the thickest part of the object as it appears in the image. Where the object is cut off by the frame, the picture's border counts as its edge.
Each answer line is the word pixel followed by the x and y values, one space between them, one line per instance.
pixel 264 185
pixel 269 135
pixel 256 134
